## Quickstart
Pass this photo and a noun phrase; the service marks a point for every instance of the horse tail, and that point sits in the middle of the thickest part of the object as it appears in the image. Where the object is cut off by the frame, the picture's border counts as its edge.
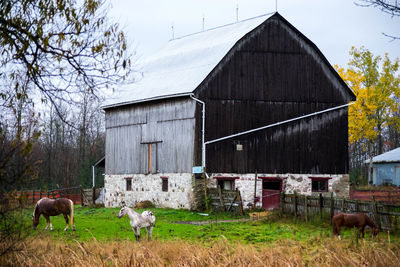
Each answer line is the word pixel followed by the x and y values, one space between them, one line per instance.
pixel 71 215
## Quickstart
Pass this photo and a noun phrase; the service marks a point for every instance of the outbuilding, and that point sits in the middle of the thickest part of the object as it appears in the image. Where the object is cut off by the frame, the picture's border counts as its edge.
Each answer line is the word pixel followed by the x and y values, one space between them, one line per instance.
pixel 255 104
pixel 386 168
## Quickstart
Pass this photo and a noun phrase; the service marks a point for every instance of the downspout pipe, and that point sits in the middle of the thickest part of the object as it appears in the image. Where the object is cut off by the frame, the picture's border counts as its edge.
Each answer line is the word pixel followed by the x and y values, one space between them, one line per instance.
pixel 93 175
pixel 203 125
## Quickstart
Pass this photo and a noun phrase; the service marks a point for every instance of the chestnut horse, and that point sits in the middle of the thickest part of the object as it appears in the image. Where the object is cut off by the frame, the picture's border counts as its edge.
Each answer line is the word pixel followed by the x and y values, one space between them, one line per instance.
pixel 53 207
pixel 359 220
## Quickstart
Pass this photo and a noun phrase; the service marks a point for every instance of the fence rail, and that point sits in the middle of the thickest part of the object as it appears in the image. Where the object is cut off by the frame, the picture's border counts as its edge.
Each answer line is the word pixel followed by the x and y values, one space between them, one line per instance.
pixel 32 196
pixel 385 215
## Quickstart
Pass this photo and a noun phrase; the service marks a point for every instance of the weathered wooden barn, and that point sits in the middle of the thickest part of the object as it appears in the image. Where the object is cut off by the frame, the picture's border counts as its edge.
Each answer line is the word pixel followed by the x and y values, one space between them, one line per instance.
pixel 251 97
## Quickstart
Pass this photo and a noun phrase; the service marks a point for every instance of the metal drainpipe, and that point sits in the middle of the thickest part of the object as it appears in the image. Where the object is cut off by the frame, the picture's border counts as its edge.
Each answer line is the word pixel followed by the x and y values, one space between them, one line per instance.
pixel 203 121
pixel 93 174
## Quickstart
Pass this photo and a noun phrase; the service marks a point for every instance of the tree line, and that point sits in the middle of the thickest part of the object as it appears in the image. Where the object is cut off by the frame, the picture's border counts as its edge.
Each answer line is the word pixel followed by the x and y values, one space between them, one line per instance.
pixel 58 58
pixel 374 119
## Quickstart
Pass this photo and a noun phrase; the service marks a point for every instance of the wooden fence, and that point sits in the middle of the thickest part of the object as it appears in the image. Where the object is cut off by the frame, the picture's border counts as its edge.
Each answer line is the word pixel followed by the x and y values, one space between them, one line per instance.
pixel 387 196
pixel 76 194
pixel 226 200
pixel 309 207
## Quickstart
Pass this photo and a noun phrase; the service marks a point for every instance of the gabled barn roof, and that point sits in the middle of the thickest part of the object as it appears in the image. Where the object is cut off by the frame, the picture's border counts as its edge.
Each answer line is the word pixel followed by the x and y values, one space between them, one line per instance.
pixel 388 157
pixel 179 67
pixel 185 62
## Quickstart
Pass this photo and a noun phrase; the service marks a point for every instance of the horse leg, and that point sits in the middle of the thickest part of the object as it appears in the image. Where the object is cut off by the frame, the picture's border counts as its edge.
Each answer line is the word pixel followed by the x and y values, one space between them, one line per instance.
pixel 149 230
pixel 362 229
pixel 138 233
pixel 66 222
pixel 338 232
pixel 134 231
pixel 48 223
pixel 73 224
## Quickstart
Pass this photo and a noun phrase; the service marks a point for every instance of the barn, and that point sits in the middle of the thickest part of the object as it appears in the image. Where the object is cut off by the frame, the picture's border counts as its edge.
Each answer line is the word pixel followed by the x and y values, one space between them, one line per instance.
pixel 255 104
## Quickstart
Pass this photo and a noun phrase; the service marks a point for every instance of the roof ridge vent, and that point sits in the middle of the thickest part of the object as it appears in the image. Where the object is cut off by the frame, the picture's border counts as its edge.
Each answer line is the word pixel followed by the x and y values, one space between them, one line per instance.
pixel 221 26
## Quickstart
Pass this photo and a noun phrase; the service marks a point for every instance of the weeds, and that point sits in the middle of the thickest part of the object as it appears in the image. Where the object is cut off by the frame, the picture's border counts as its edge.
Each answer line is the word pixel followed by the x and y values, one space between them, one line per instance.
pixel 328 252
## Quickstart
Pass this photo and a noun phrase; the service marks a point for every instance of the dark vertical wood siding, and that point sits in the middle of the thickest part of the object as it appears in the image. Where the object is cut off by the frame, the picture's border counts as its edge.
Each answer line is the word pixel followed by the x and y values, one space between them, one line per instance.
pixel 274 74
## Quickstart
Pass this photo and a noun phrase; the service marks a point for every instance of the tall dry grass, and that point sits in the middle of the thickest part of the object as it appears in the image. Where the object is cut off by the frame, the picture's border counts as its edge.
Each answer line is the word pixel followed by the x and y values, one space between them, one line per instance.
pixel 330 252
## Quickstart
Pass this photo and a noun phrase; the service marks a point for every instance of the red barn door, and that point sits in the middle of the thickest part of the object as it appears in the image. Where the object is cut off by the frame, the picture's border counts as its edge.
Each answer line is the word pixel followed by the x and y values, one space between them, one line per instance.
pixel 271 193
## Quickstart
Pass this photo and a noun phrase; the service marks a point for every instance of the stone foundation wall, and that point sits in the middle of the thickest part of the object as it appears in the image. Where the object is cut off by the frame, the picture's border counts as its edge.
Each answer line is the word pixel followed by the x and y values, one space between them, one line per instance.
pixel 185 191
pixel 301 183
pixel 149 187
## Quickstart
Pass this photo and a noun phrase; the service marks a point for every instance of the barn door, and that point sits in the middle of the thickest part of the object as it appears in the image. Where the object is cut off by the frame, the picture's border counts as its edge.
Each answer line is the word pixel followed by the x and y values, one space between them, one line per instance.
pixel 271 193
pixel 150 158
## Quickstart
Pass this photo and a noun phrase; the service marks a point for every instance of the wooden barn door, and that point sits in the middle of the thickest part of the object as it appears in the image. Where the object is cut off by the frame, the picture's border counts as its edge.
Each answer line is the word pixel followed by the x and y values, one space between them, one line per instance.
pixel 271 193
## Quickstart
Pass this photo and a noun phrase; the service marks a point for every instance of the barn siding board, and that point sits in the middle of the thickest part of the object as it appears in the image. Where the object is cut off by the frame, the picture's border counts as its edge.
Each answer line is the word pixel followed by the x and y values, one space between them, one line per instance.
pixel 169 125
pixel 274 75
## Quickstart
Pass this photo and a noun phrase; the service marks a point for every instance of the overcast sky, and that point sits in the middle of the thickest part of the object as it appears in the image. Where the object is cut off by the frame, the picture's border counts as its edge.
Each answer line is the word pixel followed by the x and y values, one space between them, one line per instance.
pixel 334 26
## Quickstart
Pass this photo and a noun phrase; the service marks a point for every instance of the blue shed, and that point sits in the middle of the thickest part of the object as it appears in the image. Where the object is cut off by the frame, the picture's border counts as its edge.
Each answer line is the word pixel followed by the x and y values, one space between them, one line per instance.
pixel 386 168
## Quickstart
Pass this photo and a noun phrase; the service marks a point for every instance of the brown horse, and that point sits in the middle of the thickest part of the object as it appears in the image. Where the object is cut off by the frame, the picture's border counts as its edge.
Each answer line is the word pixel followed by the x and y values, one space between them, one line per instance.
pixel 359 220
pixel 53 207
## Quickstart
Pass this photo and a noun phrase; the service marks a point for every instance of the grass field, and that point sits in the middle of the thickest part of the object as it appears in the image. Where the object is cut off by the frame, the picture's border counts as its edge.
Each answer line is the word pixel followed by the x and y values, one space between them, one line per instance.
pixel 103 224
pixel 103 239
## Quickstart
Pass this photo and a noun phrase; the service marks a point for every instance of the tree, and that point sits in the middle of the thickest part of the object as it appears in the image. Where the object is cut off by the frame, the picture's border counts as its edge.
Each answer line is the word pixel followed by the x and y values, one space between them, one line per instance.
pixel 391 7
pixel 51 52
pixel 60 47
pixel 377 89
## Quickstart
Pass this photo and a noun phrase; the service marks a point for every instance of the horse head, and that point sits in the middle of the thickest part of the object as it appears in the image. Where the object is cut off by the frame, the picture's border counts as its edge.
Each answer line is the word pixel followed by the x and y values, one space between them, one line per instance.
pixel 123 211
pixel 35 218
pixel 375 231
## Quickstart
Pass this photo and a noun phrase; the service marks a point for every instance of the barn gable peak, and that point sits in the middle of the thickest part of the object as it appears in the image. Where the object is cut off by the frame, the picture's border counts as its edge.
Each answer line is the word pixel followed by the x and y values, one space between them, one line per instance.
pixel 186 63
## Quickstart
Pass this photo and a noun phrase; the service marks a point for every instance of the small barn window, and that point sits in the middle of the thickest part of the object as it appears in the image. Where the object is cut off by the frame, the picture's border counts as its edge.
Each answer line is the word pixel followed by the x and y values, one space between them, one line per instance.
pixel 226 183
pixel 319 184
pixel 128 184
pixel 164 186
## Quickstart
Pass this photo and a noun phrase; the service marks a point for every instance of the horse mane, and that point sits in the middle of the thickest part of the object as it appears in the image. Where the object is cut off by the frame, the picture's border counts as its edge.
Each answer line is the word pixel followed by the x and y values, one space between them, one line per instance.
pixel 370 222
pixel 131 210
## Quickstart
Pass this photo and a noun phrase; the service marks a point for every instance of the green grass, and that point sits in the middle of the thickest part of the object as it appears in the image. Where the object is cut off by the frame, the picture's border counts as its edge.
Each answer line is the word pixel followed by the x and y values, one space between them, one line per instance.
pixel 103 225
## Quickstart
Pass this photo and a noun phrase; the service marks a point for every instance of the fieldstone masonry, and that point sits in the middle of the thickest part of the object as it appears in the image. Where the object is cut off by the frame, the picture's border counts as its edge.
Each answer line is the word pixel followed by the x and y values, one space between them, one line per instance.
pixel 301 183
pixel 185 191
pixel 149 187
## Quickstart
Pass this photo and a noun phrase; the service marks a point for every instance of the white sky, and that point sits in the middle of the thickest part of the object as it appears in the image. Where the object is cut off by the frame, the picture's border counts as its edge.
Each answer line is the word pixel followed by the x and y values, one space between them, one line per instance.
pixel 333 25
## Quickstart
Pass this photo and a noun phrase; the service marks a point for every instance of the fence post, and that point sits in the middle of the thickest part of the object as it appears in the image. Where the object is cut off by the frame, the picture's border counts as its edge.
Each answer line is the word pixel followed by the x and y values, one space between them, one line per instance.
pixel 295 204
pixel 306 206
pixel 375 211
pixel 282 202
pixel 80 187
pixel 357 206
pixel 221 201
pixel 332 206
pixel 320 205
pixel 93 194
pixel 239 198
pixel 343 200
pixel 40 194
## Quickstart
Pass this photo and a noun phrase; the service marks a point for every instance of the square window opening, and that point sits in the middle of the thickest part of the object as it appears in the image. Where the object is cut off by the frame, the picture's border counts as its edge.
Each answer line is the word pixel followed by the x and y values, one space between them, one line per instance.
pixel 319 185
pixel 128 184
pixel 226 184
pixel 271 185
pixel 164 185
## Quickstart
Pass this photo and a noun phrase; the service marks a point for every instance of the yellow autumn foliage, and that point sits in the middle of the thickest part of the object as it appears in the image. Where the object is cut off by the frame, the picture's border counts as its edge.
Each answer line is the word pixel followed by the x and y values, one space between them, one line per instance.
pixel 377 91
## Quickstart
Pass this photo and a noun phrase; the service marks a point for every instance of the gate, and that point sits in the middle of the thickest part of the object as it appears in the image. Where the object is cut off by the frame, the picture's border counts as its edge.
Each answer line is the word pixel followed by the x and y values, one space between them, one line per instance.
pixel 271 192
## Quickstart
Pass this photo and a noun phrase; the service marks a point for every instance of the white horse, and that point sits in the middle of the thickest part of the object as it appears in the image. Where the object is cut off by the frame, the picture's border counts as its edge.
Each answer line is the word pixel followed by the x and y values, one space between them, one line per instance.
pixel 146 220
